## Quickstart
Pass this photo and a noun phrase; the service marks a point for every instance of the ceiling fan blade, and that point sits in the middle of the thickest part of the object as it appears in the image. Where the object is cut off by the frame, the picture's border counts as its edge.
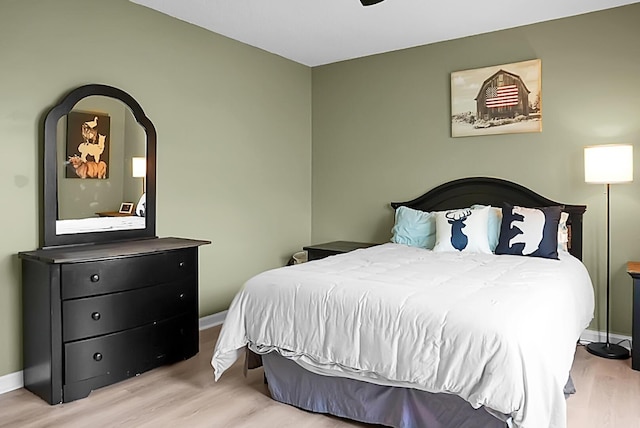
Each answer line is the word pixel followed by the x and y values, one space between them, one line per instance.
pixel 369 2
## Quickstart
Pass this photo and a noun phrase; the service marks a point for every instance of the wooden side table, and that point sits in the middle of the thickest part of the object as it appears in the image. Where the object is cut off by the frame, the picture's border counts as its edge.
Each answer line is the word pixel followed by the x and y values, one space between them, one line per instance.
pixel 113 214
pixel 320 251
pixel 633 269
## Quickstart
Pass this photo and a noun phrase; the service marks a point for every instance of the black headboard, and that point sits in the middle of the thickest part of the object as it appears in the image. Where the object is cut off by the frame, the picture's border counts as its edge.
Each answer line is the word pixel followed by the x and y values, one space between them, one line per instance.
pixel 465 192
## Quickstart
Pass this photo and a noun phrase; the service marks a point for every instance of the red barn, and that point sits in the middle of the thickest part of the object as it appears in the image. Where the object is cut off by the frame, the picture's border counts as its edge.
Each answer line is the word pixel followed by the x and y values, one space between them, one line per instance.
pixel 503 94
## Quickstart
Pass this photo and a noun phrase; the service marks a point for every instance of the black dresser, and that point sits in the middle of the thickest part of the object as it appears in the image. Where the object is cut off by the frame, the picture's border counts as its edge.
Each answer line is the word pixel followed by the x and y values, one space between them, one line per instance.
pixel 100 313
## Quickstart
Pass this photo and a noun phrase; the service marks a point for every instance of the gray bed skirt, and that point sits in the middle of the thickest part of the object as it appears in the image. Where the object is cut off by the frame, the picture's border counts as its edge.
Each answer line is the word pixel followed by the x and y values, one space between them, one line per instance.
pixel 366 402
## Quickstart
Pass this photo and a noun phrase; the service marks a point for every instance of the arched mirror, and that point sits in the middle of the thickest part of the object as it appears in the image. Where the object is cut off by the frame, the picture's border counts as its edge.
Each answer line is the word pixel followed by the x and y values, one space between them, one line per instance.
pixel 99 169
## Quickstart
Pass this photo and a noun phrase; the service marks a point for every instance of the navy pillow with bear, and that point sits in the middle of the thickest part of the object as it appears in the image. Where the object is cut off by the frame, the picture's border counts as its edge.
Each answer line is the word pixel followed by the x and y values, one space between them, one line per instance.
pixel 529 231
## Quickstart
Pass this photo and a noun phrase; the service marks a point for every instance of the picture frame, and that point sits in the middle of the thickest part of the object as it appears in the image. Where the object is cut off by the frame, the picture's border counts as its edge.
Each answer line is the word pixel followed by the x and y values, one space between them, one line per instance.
pixel 126 208
pixel 500 99
pixel 87 145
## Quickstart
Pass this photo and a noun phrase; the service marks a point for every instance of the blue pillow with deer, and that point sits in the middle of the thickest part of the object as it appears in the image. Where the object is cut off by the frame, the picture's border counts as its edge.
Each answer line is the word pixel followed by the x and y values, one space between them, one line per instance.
pixel 529 231
pixel 463 230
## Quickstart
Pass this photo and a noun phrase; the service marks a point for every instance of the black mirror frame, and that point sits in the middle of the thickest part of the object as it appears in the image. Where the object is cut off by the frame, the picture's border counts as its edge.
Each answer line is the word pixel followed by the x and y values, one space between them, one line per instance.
pixel 50 187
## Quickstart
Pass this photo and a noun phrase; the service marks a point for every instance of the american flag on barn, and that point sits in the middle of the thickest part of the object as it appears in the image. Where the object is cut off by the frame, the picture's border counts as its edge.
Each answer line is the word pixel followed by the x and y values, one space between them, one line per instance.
pixel 503 94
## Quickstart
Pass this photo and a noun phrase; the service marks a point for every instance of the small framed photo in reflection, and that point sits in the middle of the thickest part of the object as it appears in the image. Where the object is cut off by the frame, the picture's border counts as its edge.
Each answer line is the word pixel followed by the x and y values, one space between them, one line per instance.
pixel 126 208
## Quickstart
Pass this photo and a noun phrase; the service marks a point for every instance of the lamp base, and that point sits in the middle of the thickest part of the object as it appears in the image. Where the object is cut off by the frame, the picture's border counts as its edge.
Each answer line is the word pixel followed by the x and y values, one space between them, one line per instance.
pixel 608 350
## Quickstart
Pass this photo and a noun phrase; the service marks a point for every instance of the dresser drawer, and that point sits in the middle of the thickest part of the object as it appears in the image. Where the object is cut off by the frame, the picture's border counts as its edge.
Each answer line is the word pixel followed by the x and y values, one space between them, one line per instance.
pixel 119 274
pixel 131 352
pixel 108 313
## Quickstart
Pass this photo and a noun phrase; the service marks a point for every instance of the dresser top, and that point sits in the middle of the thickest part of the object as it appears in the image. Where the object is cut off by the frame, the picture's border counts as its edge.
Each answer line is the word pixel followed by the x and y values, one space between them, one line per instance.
pixel 90 252
pixel 633 268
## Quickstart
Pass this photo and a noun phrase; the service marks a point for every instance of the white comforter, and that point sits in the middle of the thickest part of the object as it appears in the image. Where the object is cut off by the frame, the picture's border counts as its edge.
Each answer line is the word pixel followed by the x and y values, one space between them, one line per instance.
pixel 499 331
pixel 99 224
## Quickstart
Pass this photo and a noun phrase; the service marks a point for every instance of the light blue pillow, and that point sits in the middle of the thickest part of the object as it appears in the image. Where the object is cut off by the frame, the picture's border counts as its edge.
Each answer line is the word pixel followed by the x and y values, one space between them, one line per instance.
pixel 495 220
pixel 415 228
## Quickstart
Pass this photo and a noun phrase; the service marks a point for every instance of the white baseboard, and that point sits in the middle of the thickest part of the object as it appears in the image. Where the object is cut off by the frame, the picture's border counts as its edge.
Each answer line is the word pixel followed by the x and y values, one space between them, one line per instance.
pixel 589 336
pixel 11 382
pixel 14 381
pixel 212 320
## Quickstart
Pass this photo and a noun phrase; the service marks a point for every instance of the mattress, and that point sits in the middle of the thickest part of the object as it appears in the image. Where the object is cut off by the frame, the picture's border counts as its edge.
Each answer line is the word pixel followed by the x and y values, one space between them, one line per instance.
pixel 459 323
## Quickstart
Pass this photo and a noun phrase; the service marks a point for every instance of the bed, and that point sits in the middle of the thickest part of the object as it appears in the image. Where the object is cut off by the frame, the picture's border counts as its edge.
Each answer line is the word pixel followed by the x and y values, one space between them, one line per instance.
pixel 99 224
pixel 461 332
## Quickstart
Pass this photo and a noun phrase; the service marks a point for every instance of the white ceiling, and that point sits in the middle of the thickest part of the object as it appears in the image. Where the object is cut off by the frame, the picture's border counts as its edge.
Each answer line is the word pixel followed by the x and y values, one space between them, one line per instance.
pixel 316 32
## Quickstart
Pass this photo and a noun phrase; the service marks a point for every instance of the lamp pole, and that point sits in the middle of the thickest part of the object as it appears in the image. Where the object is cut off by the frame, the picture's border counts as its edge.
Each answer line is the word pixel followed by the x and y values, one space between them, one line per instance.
pixel 608 349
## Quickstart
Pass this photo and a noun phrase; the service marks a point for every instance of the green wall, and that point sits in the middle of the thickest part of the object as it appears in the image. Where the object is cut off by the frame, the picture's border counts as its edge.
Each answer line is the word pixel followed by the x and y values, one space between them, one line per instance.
pixel 234 136
pixel 235 127
pixel 381 133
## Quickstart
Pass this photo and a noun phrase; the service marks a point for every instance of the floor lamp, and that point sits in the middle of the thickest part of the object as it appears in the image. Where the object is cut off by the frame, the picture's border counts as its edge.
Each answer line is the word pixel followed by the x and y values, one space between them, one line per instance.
pixel 608 164
pixel 139 169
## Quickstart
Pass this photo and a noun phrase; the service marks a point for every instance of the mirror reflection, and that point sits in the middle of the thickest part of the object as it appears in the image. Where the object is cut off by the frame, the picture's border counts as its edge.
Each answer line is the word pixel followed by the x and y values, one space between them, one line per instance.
pixel 101 148
pixel 99 169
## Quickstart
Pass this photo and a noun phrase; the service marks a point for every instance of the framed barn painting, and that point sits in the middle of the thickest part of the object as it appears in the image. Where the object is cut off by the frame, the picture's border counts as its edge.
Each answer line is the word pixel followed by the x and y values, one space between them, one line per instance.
pixel 87 145
pixel 501 99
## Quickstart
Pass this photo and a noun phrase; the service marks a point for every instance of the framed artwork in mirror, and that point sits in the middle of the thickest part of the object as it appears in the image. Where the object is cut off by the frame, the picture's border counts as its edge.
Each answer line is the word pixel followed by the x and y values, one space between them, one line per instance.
pixel 88 141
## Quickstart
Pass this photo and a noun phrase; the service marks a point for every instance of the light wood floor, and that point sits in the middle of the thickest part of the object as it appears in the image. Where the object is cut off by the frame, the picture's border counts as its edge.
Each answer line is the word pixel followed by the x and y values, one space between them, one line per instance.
pixel 185 395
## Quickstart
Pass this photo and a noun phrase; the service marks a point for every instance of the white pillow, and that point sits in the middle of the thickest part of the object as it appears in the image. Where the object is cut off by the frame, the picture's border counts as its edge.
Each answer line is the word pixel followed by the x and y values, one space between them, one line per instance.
pixel 141 208
pixel 563 232
pixel 463 230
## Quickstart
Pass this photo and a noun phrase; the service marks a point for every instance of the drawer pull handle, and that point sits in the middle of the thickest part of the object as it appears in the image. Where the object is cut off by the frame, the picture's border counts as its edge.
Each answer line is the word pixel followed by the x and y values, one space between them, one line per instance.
pixel 97 356
pixel 95 316
pixel 181 264
pixel 181 296
pixel 95 277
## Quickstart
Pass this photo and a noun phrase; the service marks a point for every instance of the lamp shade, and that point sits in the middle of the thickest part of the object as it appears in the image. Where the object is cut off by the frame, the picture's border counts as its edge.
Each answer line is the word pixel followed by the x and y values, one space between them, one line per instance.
pixel 139 167
pixel 609 163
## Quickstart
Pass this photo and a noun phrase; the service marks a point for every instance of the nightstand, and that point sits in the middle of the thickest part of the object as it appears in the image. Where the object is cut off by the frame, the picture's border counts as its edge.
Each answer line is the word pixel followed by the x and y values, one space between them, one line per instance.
pixel 633 269
pixel 320 251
